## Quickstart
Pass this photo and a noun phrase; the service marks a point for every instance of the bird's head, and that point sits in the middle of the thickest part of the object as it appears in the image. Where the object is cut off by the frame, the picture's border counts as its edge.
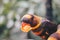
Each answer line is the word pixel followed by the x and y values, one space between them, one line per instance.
pixel 29 22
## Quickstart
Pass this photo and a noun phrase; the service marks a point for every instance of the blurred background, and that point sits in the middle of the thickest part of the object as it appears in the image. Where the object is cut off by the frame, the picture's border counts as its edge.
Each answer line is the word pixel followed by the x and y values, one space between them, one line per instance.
pixel 11 12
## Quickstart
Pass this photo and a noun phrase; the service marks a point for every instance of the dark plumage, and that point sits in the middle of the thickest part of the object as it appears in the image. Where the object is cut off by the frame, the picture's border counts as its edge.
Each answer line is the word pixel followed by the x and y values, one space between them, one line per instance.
pixel 44 30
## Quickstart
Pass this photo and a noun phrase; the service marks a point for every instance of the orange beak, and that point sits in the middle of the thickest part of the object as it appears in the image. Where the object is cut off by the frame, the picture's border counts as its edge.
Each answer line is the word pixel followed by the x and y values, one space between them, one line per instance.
pixel 25 27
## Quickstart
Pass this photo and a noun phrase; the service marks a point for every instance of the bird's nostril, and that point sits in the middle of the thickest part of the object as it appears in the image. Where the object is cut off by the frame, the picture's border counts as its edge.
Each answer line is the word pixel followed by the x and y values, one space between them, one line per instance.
pixel 23 24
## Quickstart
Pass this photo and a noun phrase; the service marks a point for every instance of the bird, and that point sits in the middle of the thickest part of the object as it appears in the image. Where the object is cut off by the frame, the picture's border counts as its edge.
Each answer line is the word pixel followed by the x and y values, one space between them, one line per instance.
pixel 38 25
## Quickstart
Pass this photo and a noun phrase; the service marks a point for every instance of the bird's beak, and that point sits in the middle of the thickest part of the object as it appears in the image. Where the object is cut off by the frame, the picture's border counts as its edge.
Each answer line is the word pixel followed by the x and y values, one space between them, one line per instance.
pixel 25 27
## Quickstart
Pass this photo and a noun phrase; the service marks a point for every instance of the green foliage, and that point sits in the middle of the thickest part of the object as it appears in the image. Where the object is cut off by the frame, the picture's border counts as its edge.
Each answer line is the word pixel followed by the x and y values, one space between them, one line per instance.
pixel 7 7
